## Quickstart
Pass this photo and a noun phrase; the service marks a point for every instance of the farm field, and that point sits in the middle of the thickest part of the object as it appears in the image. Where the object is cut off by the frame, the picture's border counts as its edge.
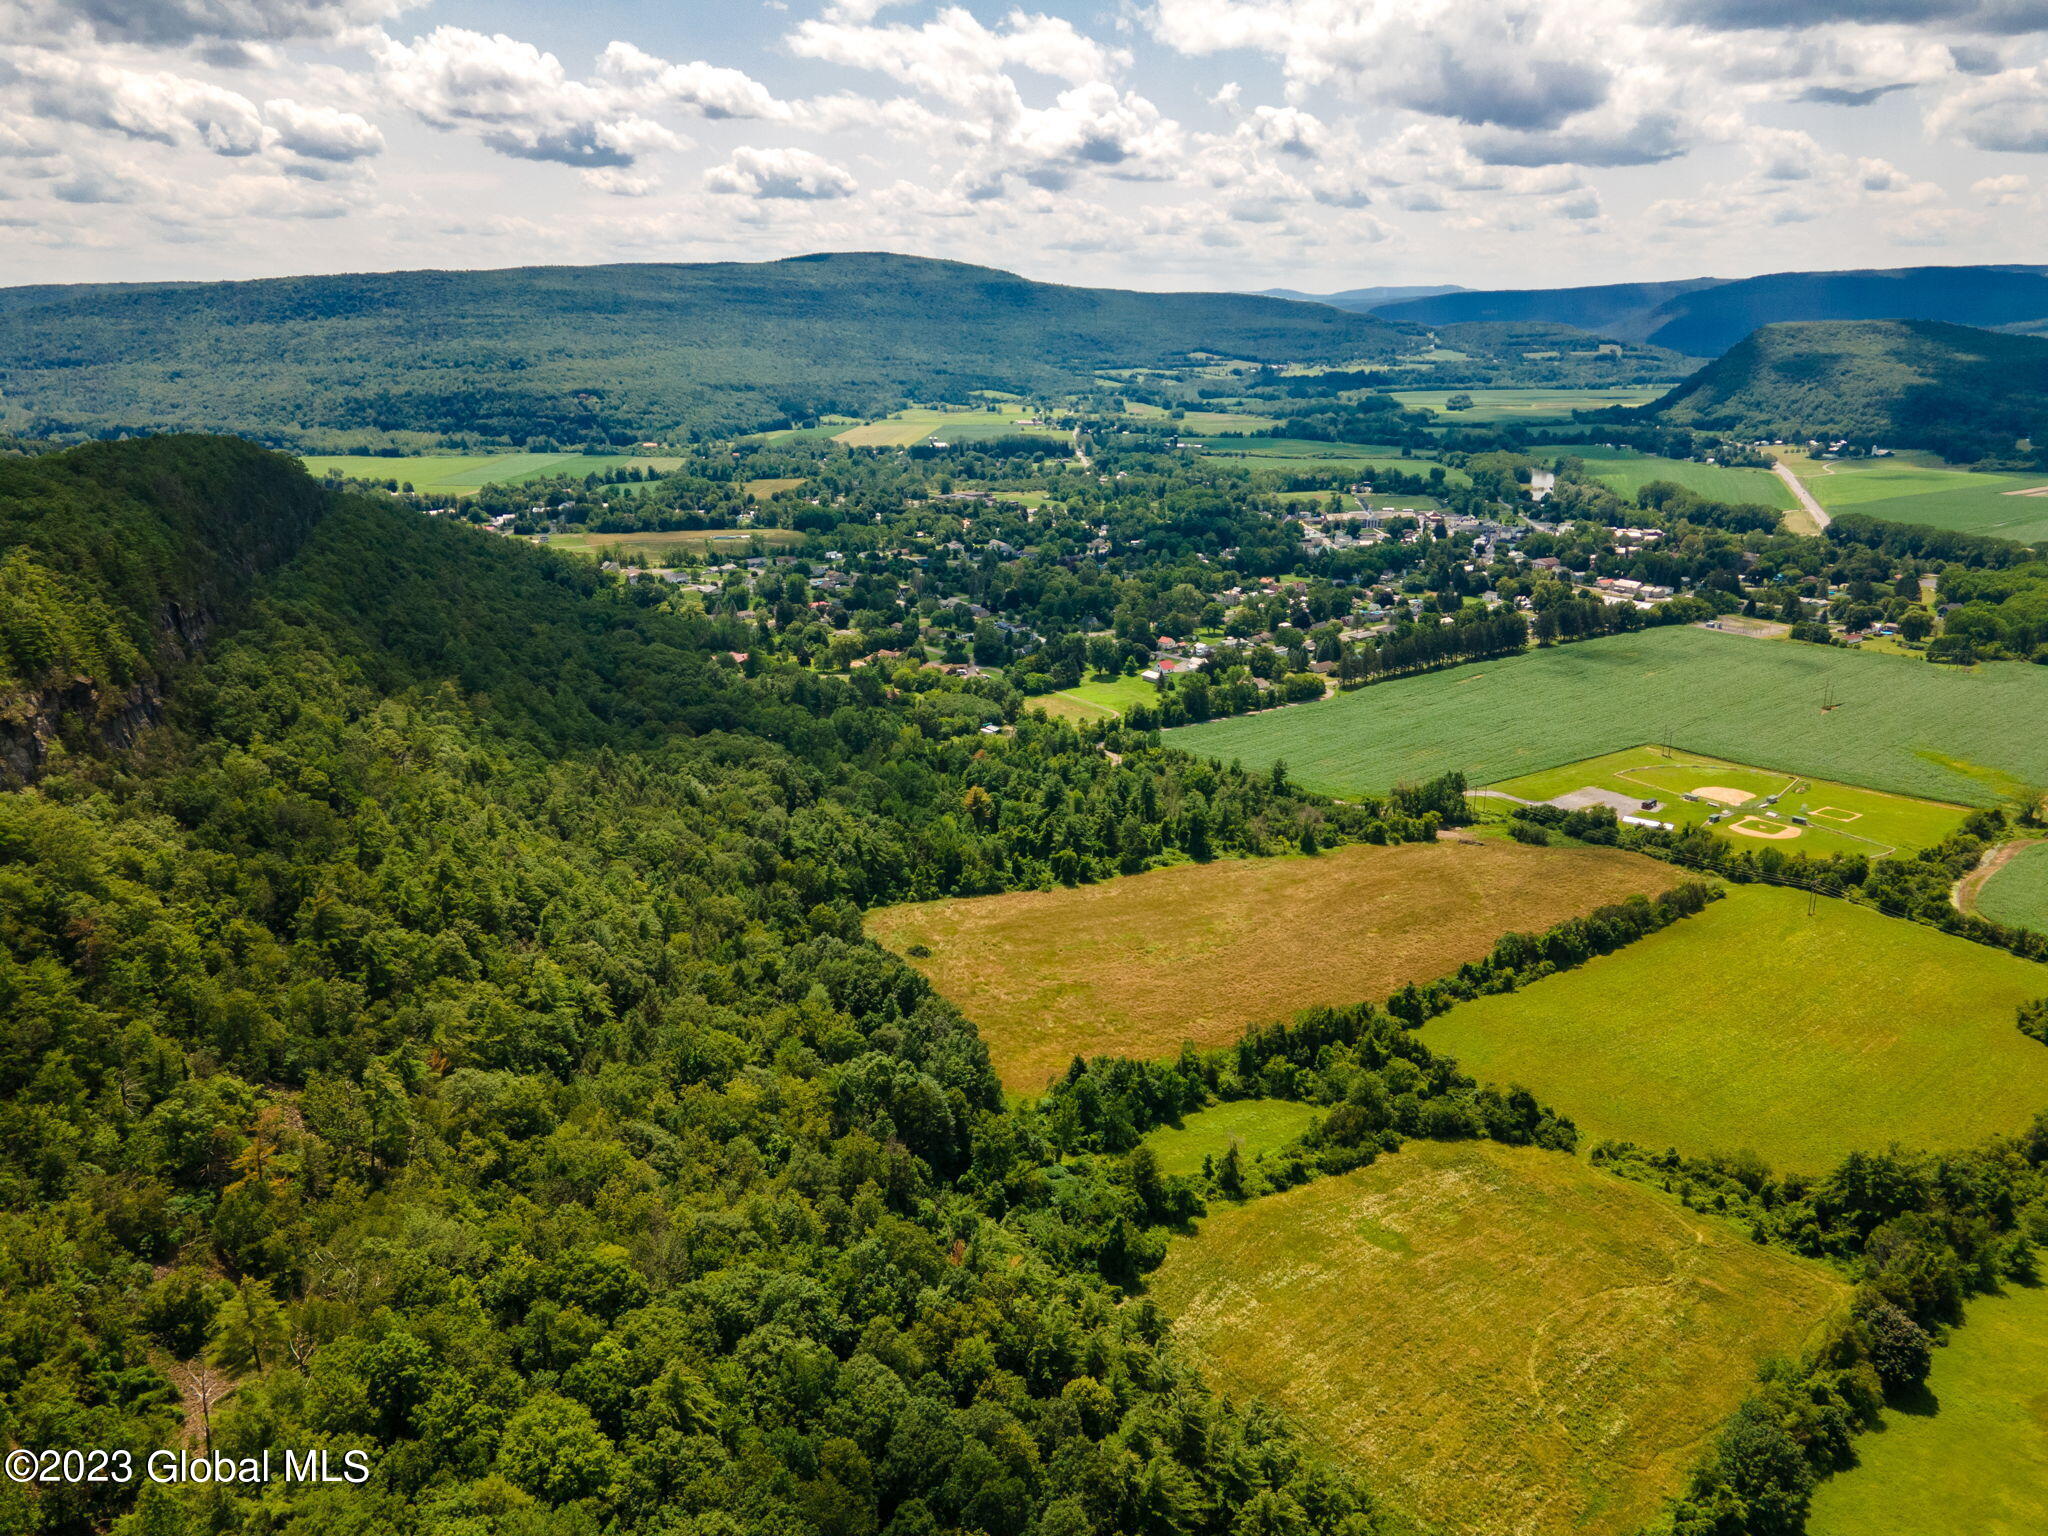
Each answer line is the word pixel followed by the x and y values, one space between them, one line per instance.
pixel 1303 453
pixel 1253 1126
pixel 1097 701
pixel 2017 894
pixel 1626 473
pixel 1203 423
pixel 1897 724
pixel 1512 1342
pixel 1811 816
pixel 1525 404
pixel 768 485
pixel 1136 966
pixel 1919 488
pixel 913 426
pixel 1977 1463
pixel 682 541
pixel 1753 1025
pixel 463 474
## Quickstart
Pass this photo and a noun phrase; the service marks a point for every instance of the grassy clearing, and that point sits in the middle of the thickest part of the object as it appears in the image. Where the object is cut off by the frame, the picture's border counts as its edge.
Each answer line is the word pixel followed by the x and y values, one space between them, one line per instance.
pixel 1253 1126
pixel 1203 423
pixel 724 542
pixel 1099 700
pixel 465 474
pixel 2018 893
pixel 1310 454
pixel 1513 1343
pixel 1919 488
pixel 1970 1459
pixel 1753 1025
pixel 1838 818
pixel 1136 966
pixel 1897 724
pixel 1627 475
pixel 950 425
pixel 1524 404
pixel 768 485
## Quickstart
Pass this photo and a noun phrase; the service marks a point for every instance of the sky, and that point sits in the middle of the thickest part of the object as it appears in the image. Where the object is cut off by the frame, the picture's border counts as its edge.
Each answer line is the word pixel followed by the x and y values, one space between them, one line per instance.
pixel 1159 144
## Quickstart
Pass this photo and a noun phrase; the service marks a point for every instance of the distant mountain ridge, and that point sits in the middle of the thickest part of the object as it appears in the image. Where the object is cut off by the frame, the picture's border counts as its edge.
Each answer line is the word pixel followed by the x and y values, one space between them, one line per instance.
pixel 571 354
pixel 1363 300
pixel 1967 393
pixel 1704 317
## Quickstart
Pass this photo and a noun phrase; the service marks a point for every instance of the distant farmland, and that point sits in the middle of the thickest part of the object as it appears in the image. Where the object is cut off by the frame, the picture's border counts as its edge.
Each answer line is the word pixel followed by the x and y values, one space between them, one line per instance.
pixel 1529 405
pixel 1919 488
pixel 1625 472
pixel 1753 1025
pixel 1510 1342
pixel 466 474
pixel 682 541
pixel 1897 724
pixel 1133 967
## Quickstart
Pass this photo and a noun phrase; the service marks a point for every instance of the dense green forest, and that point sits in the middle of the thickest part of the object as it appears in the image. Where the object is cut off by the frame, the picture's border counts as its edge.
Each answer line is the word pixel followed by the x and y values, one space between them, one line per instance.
pixel 605 354
pixel 448 1036
pixel 1706 316
pixel 1967 394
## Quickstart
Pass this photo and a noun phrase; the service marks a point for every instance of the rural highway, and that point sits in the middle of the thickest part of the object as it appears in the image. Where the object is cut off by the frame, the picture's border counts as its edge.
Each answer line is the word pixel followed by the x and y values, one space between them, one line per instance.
pixel 1813 508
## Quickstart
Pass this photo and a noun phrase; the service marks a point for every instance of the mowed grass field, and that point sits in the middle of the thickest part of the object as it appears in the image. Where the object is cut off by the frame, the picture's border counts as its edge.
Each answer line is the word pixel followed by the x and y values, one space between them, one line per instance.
pixel 2017 894
pixel 1753 1025
pixel 1919 488
pixel 1624 471
pixel 1838 818
pixel 1524 404
pixel 465 474
pixel 1252 1126
pixel 1136 966
pixel 912 426
pixel 1897 724
pixel 1098 700
pixel 1511 1342
pixel 1311 454
pixel 727 542
pixel 1977 1464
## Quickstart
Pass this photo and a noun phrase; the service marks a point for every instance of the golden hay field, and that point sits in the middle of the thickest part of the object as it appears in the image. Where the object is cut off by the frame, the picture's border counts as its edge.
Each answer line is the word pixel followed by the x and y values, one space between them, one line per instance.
pixel 1196 952
pixel 1511 1342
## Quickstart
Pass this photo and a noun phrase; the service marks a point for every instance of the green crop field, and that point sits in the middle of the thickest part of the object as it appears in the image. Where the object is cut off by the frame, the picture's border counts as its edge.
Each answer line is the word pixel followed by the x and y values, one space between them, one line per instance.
pixel 1527 405
pixel 914 425
pixel 1750 806
pixel 2018 894
pixel 465 474
pixel 1136 966
pixel 1896 724
pixel 1252 1126
pixel 1099 700
pixel 1970 1458
pixel 1626 473
pixel 1753 1025
pixel 1509 1342
pixel 725 542
pixel 1303 453
pixel 1919 488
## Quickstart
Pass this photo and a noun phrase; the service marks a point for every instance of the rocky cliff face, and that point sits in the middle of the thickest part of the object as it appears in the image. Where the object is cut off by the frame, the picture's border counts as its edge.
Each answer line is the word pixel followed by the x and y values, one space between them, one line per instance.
pixel 118 562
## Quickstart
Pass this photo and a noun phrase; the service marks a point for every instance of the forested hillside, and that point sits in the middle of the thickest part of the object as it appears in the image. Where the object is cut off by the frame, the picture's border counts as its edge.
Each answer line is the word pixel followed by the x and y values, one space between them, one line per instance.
pixel 611 353
pixel 449 1036
pixel 1704 317
pixel 1967 394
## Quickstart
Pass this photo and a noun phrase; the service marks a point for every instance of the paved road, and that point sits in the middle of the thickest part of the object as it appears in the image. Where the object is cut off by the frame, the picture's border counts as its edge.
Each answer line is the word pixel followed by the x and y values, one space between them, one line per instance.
pixel 1813 508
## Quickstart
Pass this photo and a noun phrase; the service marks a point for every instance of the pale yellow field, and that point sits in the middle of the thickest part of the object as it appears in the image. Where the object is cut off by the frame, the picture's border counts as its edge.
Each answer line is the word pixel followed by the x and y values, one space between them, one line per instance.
pixel 1507 1341
pixel 1196 952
